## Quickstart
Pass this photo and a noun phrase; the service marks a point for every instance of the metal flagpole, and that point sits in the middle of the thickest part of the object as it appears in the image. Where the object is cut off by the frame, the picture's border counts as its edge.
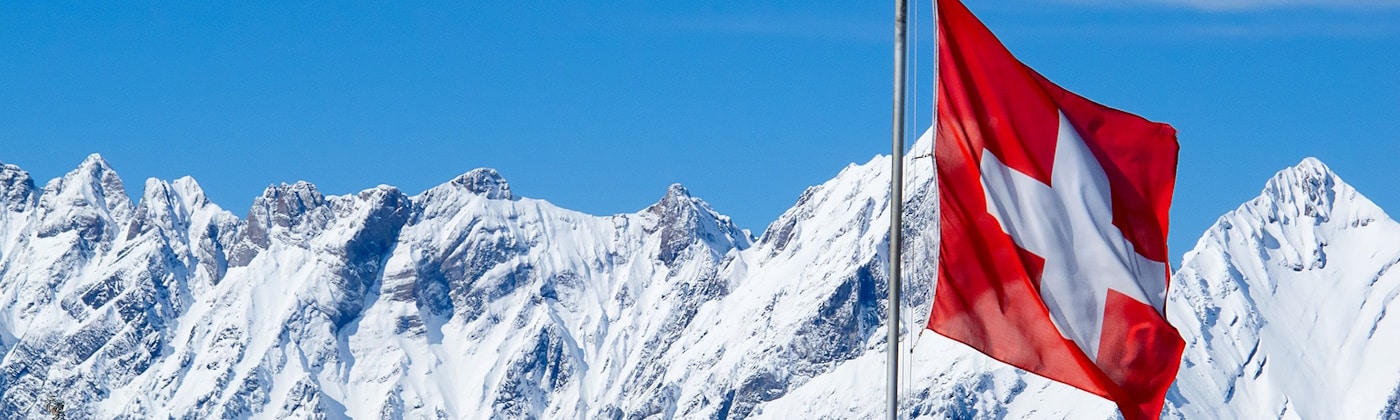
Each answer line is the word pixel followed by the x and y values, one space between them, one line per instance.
pixel 901 11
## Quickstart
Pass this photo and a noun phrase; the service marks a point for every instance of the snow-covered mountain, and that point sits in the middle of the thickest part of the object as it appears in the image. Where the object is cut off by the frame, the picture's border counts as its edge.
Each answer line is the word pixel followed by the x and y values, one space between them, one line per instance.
pixel 463 301
pixel 1283 306
pixel 467 301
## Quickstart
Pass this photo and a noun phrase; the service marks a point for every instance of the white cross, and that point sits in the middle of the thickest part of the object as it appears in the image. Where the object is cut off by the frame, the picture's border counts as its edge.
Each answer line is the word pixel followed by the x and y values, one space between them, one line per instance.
pixel 1069 223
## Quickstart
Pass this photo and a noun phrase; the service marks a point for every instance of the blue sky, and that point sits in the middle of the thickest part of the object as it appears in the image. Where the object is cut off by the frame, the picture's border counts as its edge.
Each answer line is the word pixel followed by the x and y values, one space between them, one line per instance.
pixel 598 106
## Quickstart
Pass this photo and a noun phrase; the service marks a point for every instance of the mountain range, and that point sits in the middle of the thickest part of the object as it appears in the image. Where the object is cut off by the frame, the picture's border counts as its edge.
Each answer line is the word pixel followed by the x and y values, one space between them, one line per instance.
pixel 470 301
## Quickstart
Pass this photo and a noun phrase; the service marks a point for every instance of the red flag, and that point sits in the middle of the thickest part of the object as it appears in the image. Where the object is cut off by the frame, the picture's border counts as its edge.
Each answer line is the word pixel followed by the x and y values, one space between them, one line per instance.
pixel 1054 224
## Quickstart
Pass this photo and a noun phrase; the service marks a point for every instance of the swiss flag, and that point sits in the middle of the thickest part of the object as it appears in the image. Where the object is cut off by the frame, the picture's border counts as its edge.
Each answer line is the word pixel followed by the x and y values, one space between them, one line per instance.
pixel 1054 224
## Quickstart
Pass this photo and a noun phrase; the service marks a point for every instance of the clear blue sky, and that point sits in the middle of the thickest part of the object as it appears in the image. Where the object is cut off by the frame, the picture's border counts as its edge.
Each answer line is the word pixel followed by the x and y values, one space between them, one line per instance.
pixel 598 106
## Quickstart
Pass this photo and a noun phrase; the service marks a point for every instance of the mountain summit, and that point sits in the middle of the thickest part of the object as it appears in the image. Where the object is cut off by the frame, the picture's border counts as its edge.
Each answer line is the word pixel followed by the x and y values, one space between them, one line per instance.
pixel 1283 303
pixel 485 182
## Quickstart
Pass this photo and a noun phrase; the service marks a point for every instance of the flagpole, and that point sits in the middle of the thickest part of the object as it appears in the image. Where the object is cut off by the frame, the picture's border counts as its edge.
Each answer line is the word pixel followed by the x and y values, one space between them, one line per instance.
pixel 901 12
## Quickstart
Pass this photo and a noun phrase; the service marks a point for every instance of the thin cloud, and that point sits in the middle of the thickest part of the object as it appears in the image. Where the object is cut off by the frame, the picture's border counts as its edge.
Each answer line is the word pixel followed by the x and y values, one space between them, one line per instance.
pixel 1213 19
pixel 1245 5
pixel 1186 30
pixel 851 29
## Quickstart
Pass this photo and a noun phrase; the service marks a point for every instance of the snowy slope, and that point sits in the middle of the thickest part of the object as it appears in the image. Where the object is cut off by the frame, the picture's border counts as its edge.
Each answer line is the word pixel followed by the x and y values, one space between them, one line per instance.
pixel 1283 305
pixel 468 301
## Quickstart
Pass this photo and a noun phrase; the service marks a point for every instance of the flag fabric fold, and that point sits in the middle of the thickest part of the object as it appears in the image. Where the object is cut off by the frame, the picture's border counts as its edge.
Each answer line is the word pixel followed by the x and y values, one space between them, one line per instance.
pixel 1053 220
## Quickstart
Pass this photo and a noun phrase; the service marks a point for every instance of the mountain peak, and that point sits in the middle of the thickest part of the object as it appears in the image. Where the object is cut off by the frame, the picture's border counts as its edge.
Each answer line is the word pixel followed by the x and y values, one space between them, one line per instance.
pixel 166 206
pixel 183 192
pixel 677 198
pixel 1284 291
pixel 95 160
pixel 294 212
pixel 1308 189
pixel 1311 163
pixel 89 200
pixel 97 174
pixel 190 190
pixel 1310 173
pixel 156 191
pixel 677 190
pixel 16 188
pixel 94 181
pixel 8 170
pixel 485 182
pixel 682 219
pixel 286 202
pixel 96 169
